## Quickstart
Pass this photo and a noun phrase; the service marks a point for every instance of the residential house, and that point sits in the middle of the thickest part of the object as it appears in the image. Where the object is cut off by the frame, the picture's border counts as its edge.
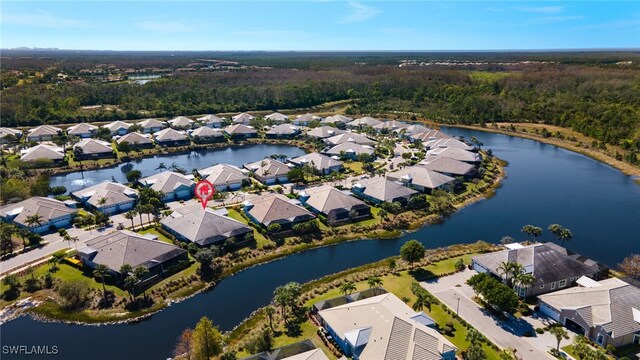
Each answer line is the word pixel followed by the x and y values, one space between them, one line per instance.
pixel 150 126
pixel 53 214
pixel 448 166
pixel 211 121
pixel 173 185
pixel 349 150
pixel 364 121
pixel 276 209
pixel 287 131
pixel 107 197
pixel 9 132
pixel 82 130
pixel 117 127
pixel 94 149
pixel 43 133
pixel 421 178
pixel 607 311
pixel 456 154
pixel 416 129
pixel 122 247
pixel 181 123
pixel 240 132
pixel 206 135
pixel 381 189
pixel 553 267
pixel 171 137
pixel 337 206
pixel 303 120
pixel 390 126
pixel 303 350
pixel 136 141
pixel 277 118
pixel 243 118
pixel 446 143
pixel 428 136
pixel 323 132
pixel 336 119
pixel 349 137
pixel 203 227
pixel 269 171
pixel 322 163
pixel 224 177
pixel 345 299
pixel 384 327
pixel 42 151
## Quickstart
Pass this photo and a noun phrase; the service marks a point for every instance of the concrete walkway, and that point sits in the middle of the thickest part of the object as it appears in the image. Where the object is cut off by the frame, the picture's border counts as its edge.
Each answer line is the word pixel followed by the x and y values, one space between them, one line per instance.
pixel 453 292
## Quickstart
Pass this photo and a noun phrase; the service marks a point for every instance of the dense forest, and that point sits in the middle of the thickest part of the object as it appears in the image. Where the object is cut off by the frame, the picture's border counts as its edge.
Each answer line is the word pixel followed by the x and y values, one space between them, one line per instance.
pixel 597 95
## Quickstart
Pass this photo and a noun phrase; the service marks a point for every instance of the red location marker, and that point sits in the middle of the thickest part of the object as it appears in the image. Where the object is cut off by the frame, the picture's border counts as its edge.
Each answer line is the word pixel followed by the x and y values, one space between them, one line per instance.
pixel 204 191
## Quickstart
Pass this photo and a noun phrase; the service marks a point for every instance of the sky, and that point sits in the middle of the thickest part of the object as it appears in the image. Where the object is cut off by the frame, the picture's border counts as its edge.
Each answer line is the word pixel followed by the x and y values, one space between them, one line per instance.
pixel 320 25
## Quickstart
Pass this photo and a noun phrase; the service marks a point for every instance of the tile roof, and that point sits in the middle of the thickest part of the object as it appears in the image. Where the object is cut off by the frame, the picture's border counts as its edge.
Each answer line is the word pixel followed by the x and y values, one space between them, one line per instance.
pixel 151 124
pixel 267 167
pixel 368 121
pixel 114 193
pixel 276 208
pixel 81 129
pixel 317 160
pixel 44 130
pixel 384 189
pixel 239 129
pixel 223 174
pixel 392 335
pixel 284 129
pixel 125 247
pixel 169 134
pixel 326 198
pixel 277 117
pixel 421 176
pixel 430 135
pixel 135 138
pixel 4 131
pixel 204 226
pixel 206 132
pixel 337 118
pixel 116 125
pixel 42 151
pixel 47 208
pixel 182 122
pixel 94 146
pixel 446 165
pixel 324 132
pixel 349 148
pixel 416 129
pixel 210 119
pixel 350 137
pixel 455 153
pixel 243 118
pixel 167 181
pixel 392 125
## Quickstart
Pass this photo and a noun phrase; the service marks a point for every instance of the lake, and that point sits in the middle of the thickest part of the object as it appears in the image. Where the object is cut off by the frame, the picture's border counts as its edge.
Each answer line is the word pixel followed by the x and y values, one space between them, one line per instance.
pixel 545 184
pixel 196 159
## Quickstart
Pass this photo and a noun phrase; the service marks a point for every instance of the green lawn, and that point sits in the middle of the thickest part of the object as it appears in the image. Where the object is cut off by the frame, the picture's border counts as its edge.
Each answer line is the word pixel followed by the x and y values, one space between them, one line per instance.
pixel 355 166
pixel 261 240
pixel 157 233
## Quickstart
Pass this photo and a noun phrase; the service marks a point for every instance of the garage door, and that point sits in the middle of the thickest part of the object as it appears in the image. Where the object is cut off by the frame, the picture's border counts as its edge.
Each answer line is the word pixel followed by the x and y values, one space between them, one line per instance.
pixel 549 311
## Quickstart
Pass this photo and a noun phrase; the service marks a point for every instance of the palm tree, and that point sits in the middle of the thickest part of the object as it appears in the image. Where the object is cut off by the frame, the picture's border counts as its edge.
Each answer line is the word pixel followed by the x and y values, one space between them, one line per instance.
pixel 524 281
pixel 506 269
pixel 130 215
pixel 100 271
pixel 139 210
pixel 35 219
pixel 565 235
pixel 101 202
pixel 374 281
pixel 347 287
pixel 270 310
pixel 422 301
pixel 141 273
pixel 536 232
pixel 77 154
pixel 555 229
pixel 527 229
pixel 560 333
pixel 161 166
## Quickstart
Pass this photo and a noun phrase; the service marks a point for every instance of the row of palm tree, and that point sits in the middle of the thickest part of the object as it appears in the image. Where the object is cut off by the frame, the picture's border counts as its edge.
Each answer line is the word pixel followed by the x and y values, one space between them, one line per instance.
pixel 561 233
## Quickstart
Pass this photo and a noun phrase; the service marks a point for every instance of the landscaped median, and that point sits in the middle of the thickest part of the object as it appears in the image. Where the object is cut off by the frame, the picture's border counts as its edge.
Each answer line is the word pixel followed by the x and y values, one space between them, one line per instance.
pixel 396 276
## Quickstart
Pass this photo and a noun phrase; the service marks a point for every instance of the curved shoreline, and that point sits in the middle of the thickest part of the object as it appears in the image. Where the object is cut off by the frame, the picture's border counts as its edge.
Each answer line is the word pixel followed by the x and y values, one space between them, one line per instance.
pixel 487 193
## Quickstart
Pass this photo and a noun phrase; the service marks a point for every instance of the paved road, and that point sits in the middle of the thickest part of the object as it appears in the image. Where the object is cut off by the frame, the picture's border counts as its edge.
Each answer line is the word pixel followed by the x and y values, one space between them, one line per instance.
pixel 453 291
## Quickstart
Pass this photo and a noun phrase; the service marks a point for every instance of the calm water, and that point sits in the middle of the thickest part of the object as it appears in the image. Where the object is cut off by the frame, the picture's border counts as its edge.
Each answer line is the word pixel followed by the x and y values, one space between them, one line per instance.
pixel 544 185
pixel 236 155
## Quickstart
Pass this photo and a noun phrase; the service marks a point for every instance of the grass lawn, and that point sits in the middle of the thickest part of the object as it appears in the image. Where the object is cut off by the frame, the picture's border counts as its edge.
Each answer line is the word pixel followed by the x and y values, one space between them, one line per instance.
pixel 261 240
pixel 355 166
pixel 375 219
pixel 157 233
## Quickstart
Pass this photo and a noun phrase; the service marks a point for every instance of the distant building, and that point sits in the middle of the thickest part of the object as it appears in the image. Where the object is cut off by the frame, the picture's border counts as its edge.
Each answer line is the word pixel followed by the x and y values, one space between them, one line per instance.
pixel 118 198
pixel 277 118
pixel 384 327
pixel 349 150
pixel 42 151
pixel 117 127
pixel 243 118
pixel 53 213
pixel 286 131
pixel 136 141
pixel 337 206
pixel 349 137
pixel 224 176
pixel 171 137
pixel 364 121
pixel 303 120
pixel 276 209
pixel 205 135
pixel 381 189
pixel 43 133
pixel 391 126
pixel 428 136
pixel 240 132
pixel 8 132
pixel 553 267
pixel 173 185
pixel 421 178
pixel 446 143
pixel 94 149
pixel 323 132
pixel 337 119
pixel 456 154
pixel 324 164
pixel 203 227
pixel 151 125
pixel 269 171
pixel 211 121
pixel 82 130
pixel 448 166
pixel 607 311
pixel 125 247
pixel 181 123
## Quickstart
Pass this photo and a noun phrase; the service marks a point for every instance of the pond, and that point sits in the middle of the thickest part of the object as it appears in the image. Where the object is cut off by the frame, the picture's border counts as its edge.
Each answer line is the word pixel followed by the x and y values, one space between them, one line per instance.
pixel 196 159
pixel 545 184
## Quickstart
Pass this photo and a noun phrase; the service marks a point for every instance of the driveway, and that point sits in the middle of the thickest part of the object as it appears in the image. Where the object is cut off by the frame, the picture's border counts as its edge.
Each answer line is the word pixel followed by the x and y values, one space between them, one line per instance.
pixel 453 292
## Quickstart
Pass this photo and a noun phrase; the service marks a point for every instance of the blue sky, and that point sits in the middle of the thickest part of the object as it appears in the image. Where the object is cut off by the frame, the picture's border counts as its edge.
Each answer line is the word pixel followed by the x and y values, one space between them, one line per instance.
pixel 320 25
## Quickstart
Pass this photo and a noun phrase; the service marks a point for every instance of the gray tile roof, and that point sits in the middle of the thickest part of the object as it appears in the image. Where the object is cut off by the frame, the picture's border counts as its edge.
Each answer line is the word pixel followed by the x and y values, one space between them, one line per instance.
pixel 42 151
pixel 47 208
pixel 276 208
pixel 181 122
pixel 277 117
pixel 210 119
pixel 429 135
pixel 204 226
pixel 116 125
pixel 384 189
pixel 206 132
pixel 81 129
pixel 44 130
pixel 284 129
pixel 416 129
pixel 125 247
pixel 447 143
pixel 268 167
pixel 318 161
pixel 114 193
pixel 4 131
pixel 392 125
pixel 135 138
pixel 93 146
pixel 349 148
pixel 446 165
pixel 337 118
pixel 456 154
pixel 223 174
pixel 368 121
pixel 167 181
pixel 350 137
pixel 610 304
pixel 327 198
pixel 169 135
pixel 151 124
pixel 420 176
pixel 239 129
pixel 322 132
pixel 243 118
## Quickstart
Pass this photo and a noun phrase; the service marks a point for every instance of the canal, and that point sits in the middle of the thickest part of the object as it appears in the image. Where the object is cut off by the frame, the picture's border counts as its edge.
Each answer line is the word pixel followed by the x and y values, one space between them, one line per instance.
pixel 545 185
